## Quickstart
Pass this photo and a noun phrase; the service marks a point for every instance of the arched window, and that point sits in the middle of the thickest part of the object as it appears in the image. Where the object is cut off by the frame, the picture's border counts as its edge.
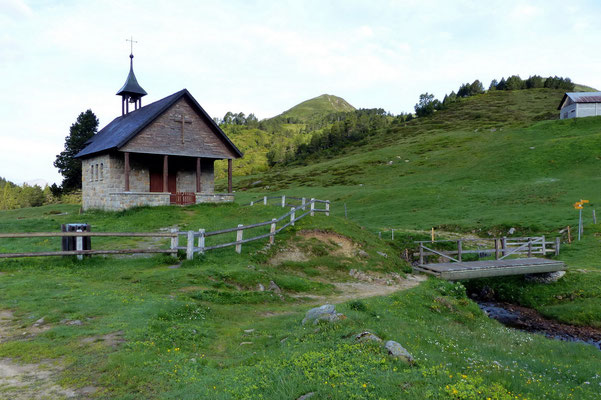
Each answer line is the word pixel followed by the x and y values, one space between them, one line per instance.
pixel 91 172
pixel 101 171
pixel 96 172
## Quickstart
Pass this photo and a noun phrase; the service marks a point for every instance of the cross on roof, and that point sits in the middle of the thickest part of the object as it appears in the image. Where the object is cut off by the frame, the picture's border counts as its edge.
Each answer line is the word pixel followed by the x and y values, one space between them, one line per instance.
pixel 131 43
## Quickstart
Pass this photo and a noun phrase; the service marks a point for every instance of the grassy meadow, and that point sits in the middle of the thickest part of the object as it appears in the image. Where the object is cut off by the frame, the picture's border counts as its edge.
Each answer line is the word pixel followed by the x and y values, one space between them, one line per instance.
pixel 202 330
pixel 166 328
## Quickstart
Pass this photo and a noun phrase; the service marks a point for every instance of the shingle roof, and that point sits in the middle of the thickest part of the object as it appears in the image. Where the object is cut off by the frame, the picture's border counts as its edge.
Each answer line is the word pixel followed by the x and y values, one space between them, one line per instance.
pixel 122 129
pixel 581 97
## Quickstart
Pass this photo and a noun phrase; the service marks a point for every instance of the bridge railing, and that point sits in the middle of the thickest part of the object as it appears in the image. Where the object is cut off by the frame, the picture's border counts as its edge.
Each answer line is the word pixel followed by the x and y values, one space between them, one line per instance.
pixel 501 248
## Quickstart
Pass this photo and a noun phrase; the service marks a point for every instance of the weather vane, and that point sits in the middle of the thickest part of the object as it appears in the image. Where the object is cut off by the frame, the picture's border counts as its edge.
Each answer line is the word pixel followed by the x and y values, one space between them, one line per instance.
pixel 131 43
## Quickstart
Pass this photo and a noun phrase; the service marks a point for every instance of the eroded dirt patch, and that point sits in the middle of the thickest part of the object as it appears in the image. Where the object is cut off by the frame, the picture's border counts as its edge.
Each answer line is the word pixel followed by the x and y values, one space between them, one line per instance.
pixel 346 247
pixel 112 339
pixel 35 381
pixel 299 251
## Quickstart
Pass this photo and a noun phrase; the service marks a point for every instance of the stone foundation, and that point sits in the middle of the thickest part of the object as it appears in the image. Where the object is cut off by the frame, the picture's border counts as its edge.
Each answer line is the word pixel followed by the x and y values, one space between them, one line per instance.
pixel 214 198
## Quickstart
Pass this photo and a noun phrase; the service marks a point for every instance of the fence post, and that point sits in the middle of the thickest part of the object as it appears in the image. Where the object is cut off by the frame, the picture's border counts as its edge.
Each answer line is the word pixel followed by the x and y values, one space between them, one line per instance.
pixel 283 200
pixel 79 245
pixel 312 206
pixel 252 203
pixel 190 246
pixel 201 241
pixel 174 239
pixel 327 208
pixel 380 235
pixel 303 201
pixel 459 250
pixel 392 234
pixel 544 246
pixel 594 217
pixel 557 244
pixel 504 245
pixel 264 200
pixel 239 234
pixel 272 231
pixel 529 247
pixel 292 216
pixel 497 252
pixel 421 253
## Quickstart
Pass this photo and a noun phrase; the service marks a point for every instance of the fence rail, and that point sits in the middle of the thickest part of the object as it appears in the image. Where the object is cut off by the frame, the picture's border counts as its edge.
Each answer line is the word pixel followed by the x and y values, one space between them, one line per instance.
pixel 199 237
pixel 306 207
pixel 503 247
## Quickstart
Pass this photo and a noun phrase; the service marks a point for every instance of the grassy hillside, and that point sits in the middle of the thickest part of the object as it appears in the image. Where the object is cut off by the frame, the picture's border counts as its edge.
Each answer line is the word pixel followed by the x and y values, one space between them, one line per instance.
pixel 317 107
pixel 158 328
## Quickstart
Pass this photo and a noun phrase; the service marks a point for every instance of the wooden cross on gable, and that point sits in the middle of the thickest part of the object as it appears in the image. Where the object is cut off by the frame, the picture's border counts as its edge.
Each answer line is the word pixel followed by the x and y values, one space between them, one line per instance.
pixel 183 120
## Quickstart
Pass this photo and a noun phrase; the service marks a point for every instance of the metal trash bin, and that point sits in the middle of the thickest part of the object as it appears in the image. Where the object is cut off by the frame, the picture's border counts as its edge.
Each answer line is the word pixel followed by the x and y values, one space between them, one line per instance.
pixel 69 243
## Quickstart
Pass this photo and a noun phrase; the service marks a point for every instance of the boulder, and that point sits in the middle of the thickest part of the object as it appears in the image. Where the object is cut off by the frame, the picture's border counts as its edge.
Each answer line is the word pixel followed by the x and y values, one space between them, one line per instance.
pixel 382 254
pixel 547 277
pixel 306 396
pixel 260 287
pixel 398 351
pixel 362 253
pixel 367 337
pixel 314 313
pixel 273 287
pixel 329 318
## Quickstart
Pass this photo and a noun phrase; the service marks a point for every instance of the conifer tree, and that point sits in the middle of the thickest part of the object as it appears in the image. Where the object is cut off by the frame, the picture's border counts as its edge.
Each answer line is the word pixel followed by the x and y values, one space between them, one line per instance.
pixel 83 129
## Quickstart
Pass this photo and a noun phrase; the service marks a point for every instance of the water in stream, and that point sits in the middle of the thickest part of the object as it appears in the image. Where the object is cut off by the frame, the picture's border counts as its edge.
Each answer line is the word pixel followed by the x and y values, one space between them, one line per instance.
pixel 528 320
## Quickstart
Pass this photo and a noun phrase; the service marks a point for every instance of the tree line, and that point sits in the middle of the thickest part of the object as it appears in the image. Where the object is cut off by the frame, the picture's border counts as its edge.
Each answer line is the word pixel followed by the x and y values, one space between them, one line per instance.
pixel 13 196
pixel 428 104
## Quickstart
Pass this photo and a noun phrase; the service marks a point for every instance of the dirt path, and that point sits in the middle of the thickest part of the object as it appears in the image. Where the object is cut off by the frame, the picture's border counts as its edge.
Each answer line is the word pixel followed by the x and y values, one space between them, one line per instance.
pixel 35 381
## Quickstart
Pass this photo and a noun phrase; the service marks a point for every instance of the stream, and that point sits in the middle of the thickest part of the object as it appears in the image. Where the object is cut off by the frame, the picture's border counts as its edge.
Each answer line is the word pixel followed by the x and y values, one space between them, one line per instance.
pixel 529 320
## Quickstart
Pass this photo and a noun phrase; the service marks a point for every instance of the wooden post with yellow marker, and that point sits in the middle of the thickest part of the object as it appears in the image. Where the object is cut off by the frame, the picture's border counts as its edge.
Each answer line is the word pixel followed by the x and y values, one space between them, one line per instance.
pixel 579 205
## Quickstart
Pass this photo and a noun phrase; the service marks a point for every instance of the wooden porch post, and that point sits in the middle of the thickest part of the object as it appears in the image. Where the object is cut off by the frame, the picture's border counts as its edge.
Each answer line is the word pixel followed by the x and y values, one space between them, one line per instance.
pixel 198 175
pixel 165 173
pixel 229 175
pixel 126 174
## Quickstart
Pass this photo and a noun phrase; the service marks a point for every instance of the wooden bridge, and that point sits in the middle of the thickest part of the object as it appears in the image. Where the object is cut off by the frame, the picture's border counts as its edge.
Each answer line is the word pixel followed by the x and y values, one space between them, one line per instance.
pixel 501 265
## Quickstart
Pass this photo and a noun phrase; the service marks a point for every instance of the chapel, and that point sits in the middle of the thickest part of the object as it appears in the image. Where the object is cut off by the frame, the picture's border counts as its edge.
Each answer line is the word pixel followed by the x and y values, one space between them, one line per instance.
pixel 159 154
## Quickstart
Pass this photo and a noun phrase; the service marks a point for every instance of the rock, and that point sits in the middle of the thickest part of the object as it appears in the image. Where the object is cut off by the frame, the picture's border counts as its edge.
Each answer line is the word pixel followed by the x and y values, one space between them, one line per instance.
pixel 406 160
pixel 306 396
pixel 398 157
pixel 75 323
pixel 260 287
pixel 546 278
pixel 390 162
pixel 255 183
pixel 383 254
pixel 329 318
pixel 39 322
pixel 274 288
pixel 398 351
pixel 532 148
pixel 245 343
pixel 251 267
pixel 360 184
pixel 362 253
pixel 316 312
pixel 249 330
pixel 284 340
pixel 493 129
pixel 511 231
pixel 366 337
pixel 487 293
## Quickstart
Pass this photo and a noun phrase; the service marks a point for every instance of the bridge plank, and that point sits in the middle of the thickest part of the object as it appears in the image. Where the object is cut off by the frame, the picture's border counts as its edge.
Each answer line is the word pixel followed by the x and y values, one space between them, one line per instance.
pixel 491 268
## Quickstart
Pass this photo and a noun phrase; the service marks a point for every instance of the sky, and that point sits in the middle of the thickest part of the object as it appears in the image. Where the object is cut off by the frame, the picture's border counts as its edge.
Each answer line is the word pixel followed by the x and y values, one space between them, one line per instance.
pixel 60 58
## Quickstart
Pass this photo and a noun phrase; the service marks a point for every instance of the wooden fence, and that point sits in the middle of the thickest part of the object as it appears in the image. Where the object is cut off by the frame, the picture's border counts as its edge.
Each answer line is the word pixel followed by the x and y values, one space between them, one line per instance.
pixel 291 216
pixel 502 248
pixel 306 208
pixel 79 243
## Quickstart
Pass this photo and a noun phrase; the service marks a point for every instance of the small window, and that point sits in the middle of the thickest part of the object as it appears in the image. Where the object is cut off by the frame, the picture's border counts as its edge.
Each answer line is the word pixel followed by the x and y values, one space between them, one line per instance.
pixel 91 172
pixel 96 172
pixel 101 171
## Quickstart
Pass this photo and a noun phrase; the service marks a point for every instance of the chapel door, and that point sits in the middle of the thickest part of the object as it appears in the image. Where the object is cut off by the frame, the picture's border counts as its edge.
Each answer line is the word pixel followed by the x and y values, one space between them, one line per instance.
pixel 172 182
pixel 156 181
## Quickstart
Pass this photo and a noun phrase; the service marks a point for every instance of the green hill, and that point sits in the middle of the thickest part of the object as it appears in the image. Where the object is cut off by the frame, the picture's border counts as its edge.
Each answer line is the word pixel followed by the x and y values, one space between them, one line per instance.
pixel 486 163
pixel 317 107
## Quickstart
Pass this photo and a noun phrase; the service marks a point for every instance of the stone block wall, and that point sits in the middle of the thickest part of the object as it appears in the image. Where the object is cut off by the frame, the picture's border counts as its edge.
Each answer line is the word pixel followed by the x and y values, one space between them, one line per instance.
pixel 103 184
